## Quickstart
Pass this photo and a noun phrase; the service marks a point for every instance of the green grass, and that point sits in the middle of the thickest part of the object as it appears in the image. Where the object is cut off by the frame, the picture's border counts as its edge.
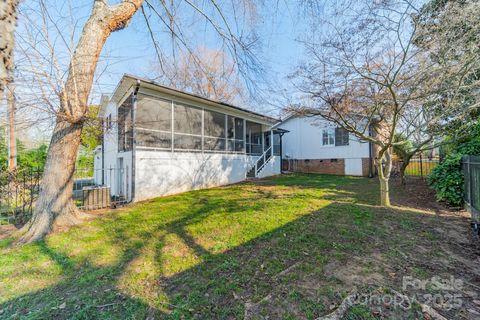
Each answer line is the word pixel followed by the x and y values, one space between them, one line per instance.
pixel 206 254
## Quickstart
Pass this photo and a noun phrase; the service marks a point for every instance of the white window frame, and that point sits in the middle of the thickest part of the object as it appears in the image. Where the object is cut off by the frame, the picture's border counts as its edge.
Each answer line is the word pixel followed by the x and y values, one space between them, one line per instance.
pixel 330 137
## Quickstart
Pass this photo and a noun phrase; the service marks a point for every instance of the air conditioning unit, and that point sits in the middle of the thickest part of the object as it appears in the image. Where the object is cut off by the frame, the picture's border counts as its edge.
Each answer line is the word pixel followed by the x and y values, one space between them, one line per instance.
pixel 96 197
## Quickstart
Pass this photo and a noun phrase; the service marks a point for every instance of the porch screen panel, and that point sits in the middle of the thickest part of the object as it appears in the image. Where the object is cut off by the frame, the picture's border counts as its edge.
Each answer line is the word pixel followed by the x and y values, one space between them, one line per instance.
pixel 154 122
pixel 235 134
pixel 239 130
pixel 187 127
pixel 125 125
pixel 214 131
pixel 254 138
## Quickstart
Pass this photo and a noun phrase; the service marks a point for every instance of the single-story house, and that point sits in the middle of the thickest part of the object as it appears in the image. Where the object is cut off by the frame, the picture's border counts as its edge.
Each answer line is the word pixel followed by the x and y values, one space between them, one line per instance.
pixel 159 141
pixel 316 145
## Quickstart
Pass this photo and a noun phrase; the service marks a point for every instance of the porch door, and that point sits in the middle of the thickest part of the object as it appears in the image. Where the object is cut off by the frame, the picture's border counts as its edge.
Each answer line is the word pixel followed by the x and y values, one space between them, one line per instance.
pixel 120 179
pixel 266 141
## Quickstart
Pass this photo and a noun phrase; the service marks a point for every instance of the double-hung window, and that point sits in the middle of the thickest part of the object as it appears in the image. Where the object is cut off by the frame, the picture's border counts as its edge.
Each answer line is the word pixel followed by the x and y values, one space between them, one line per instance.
pixel 335 137
pixel 328 136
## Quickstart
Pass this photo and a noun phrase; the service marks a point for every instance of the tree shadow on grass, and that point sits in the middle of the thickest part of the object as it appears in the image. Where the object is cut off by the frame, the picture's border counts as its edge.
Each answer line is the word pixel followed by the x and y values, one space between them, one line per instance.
pixel 285 272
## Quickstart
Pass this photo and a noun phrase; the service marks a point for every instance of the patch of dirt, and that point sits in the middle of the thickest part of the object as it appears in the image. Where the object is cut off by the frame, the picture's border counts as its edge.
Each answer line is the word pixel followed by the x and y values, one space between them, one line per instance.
pixel 6 231
pixel 352 274
pixel 417 194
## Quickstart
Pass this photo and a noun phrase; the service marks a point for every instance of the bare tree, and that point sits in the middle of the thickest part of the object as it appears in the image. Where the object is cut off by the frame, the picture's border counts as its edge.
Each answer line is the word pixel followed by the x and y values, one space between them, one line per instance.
pixel 366 75
pixel 54 206
pixel 206 72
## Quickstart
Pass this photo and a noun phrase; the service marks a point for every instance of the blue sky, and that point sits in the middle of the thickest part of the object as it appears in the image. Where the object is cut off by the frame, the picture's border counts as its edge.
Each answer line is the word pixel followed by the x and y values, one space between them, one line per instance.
pixel 278 24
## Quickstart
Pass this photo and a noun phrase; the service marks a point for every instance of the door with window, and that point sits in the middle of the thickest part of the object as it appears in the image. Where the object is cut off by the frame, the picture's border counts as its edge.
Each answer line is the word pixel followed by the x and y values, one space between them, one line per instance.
pixel 266 141
pixel 120 178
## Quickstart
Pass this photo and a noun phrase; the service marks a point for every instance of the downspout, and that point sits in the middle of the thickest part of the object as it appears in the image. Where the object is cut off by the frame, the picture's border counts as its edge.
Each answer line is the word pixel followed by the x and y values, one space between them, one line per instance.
pixel 281 154
pixel 103 152
pixel 370 155
pixel 134 134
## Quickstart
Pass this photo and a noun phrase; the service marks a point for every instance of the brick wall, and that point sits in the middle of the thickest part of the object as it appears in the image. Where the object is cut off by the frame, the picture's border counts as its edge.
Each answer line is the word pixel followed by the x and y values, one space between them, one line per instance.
pixel 366 167
pixel 326 166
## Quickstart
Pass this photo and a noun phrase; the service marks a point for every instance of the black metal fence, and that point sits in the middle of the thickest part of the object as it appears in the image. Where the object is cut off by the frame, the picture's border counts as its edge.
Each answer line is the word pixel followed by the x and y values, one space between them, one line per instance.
pixel 18 192
pixel 91 190
pixel 471 171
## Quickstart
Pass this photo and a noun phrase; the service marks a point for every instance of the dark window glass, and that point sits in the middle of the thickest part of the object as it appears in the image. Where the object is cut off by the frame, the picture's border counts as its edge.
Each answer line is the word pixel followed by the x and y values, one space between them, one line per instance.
pixel 154 139
pixel 238 129
pixel 231 145
pixel 187 120
pixel 341 137
pixel 239 146
pixel 254 138
pixel 125 125
pixel 182 141
pixel 230 127
pixel 214 144
pixel 153 113
pixel 214 124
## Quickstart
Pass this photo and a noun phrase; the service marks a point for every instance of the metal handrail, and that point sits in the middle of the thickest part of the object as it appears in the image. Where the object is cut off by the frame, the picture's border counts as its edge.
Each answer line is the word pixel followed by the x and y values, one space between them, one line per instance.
pixel 262 157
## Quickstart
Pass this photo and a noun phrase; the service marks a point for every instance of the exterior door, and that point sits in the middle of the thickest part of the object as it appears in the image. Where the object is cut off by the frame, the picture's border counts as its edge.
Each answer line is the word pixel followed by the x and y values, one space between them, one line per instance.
pixel 120 178
pixel 266 141
pixel 353 167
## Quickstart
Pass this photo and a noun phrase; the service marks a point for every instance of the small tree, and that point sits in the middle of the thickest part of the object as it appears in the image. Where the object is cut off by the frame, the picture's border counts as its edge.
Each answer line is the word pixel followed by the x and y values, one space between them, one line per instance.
pixel 366 75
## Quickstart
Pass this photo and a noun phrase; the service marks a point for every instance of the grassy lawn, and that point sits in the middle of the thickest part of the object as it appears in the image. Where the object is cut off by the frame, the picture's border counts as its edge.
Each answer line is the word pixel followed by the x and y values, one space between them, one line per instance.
pixel 290 247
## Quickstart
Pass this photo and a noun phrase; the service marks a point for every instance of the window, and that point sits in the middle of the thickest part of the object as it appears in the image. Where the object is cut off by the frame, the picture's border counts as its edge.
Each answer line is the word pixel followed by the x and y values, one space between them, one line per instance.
pixel 254 138
pixel 155 114
pixel 187 120
pixel 341 137
pixel 108 123
pixel 163 124
pixel 154 139
pixel 187 127
pixel 328 136
pixel 125 125
pixel 188 142
pixel 214 131
pixel 235 134
pixel 153 123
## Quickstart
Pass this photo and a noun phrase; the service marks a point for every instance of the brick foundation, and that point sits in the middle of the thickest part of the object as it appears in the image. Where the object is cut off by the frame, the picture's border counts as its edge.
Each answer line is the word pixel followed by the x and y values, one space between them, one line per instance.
pixel 325 166
pixel 366 167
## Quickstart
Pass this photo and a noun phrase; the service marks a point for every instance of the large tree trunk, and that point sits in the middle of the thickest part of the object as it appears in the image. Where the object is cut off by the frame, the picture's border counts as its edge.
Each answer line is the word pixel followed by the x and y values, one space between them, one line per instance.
pixel 384 177
pixel 403 167
pixel 54 206
pixel 12 137
pixel 8 21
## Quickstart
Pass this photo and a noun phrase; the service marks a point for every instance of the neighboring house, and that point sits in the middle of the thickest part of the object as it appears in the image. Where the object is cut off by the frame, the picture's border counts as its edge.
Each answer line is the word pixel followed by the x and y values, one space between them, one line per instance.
pixel 160 141
pixel 317 145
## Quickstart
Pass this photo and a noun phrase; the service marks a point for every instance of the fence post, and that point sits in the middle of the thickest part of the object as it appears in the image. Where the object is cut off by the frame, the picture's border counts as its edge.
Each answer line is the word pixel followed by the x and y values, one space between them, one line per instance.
pixel 421 166
pixel 470 175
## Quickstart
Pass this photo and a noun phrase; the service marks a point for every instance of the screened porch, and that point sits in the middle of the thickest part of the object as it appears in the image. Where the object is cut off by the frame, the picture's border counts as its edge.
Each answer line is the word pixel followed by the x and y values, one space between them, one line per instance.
pixel 167 125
